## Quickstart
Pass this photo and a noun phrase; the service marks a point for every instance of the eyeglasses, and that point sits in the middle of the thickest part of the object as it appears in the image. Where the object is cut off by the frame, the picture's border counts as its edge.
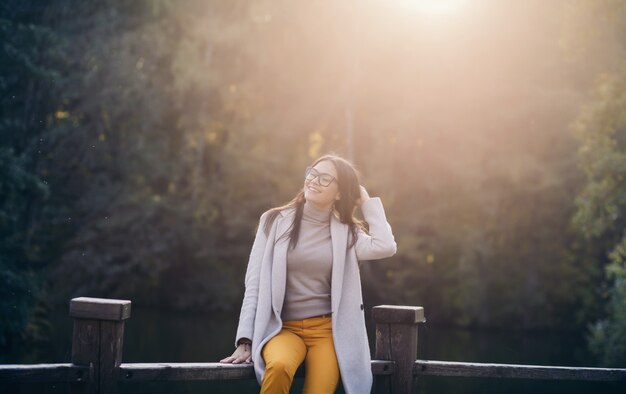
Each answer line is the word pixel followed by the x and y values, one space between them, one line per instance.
pixel 324 179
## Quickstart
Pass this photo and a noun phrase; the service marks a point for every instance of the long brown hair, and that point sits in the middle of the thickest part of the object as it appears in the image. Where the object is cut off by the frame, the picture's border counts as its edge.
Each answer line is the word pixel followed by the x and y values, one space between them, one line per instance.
pixel 349 190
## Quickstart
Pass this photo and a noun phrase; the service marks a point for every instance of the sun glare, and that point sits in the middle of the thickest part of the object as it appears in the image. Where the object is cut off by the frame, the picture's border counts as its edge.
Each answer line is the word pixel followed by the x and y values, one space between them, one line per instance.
pixel 434 7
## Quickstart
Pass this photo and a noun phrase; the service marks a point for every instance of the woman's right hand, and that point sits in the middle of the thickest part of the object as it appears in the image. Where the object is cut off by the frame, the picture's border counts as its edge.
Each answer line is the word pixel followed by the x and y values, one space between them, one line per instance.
pixel 241 354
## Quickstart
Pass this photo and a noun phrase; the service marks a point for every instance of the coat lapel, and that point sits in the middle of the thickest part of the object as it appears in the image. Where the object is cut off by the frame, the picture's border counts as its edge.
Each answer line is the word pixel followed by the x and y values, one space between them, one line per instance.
pixel 339 238
pixel 279 265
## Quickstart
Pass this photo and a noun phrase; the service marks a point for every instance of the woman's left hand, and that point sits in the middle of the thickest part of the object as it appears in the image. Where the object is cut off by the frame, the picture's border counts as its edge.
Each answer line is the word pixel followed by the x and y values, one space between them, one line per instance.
pixel 364 196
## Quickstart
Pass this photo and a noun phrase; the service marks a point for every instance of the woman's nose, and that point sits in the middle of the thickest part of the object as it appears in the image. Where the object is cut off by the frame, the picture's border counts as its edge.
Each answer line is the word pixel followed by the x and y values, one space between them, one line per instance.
pixel 315 180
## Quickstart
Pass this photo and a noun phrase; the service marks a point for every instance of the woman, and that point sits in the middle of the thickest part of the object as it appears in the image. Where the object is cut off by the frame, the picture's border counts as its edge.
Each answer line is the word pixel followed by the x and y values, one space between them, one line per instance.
pixel 303 297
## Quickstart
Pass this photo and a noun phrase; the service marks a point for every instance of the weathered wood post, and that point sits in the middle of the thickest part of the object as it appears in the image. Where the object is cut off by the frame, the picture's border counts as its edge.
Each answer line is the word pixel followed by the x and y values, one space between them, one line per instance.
pixel 97 342
pixel 396 340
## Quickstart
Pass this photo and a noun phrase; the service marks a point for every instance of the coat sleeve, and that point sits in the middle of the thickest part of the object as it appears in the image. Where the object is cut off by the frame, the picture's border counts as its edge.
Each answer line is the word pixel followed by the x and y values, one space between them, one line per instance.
pixel 248 307
pixel 380 242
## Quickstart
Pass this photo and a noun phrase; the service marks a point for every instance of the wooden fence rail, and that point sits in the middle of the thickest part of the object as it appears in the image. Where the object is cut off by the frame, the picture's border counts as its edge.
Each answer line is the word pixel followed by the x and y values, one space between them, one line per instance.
pixel 98 337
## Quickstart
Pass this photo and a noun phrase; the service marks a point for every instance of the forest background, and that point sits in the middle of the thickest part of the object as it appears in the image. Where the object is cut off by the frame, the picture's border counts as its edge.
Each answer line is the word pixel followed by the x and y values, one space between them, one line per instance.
pixel 141 140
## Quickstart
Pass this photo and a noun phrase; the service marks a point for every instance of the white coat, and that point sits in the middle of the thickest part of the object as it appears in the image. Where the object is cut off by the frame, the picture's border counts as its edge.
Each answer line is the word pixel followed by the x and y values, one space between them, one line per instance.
pixel 265 283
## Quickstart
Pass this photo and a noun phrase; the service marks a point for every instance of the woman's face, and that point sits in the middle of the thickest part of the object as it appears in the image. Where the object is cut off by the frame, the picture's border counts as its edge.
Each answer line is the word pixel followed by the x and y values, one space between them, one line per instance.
pixel 322 197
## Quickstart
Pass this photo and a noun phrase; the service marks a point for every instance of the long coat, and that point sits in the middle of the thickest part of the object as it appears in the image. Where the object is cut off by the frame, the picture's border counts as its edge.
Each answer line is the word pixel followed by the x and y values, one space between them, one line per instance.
pixel 265 283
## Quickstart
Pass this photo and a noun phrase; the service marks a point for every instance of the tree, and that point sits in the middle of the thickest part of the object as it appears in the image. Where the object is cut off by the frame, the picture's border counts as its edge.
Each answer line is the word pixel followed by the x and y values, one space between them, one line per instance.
pixel 32 219
pixel 601 213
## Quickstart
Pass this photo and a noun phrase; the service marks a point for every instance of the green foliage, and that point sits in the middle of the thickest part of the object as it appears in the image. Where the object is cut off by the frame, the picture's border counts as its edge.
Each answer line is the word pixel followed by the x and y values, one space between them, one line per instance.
pixel 602 205
pixel 160 215
pixel 23 192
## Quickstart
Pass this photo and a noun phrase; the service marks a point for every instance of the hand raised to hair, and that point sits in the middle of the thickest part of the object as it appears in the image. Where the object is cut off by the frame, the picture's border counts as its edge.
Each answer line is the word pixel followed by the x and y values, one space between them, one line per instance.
pixel 364 196
pixel 241 354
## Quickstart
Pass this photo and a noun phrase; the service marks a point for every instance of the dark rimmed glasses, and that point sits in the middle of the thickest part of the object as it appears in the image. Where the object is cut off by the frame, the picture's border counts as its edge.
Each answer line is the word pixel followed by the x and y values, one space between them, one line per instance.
pixel 324 179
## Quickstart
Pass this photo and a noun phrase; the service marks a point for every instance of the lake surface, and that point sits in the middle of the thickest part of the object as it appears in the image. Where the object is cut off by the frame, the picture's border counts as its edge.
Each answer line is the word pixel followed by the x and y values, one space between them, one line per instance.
pixel 153 335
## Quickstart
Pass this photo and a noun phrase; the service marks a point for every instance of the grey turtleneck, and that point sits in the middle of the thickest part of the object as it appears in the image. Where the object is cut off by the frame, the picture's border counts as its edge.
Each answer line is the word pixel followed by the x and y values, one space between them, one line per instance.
pixel 309 267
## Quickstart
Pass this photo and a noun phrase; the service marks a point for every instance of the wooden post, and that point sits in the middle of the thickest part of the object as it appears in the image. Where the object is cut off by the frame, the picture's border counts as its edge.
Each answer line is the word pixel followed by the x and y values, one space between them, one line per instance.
pixel 97 342
pixel 396 340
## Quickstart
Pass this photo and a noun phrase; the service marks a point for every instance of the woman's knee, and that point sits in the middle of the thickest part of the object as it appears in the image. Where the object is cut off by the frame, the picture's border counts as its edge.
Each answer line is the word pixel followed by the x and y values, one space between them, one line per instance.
pixel 285 369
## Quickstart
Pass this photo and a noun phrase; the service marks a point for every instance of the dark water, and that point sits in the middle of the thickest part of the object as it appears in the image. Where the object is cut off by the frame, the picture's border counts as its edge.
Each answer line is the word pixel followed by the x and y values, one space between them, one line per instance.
pixel 163 336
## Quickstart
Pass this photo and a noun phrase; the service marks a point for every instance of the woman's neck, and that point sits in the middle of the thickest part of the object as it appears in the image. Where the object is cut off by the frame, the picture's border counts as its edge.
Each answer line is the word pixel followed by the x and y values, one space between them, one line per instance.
pixel 315 212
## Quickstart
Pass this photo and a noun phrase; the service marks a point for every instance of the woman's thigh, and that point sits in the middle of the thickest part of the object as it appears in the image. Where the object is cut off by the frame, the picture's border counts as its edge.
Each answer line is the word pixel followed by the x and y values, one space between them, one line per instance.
pixel 322 368
pixel 285 350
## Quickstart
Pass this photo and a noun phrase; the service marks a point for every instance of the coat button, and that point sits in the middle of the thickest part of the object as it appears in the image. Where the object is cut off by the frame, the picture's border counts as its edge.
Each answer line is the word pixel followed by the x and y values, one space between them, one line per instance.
pixel 361 306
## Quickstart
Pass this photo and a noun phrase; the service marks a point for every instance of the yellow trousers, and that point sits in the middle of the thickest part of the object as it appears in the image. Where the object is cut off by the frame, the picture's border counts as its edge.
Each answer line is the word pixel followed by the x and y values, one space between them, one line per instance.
pixel 309 340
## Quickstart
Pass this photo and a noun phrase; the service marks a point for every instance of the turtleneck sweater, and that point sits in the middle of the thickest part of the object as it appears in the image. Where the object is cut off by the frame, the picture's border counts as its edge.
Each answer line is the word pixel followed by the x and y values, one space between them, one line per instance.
pixel 309 267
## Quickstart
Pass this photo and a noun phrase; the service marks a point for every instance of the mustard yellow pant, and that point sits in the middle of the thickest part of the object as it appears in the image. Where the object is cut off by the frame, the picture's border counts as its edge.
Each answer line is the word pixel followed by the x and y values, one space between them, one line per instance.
pixel 309 340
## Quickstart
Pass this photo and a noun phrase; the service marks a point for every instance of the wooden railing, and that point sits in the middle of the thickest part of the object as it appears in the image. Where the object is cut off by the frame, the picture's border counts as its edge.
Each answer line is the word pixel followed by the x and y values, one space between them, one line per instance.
pixel 98 338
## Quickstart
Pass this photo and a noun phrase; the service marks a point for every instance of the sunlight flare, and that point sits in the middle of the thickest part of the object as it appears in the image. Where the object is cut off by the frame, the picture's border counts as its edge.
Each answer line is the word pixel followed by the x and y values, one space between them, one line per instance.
pixel 434 7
